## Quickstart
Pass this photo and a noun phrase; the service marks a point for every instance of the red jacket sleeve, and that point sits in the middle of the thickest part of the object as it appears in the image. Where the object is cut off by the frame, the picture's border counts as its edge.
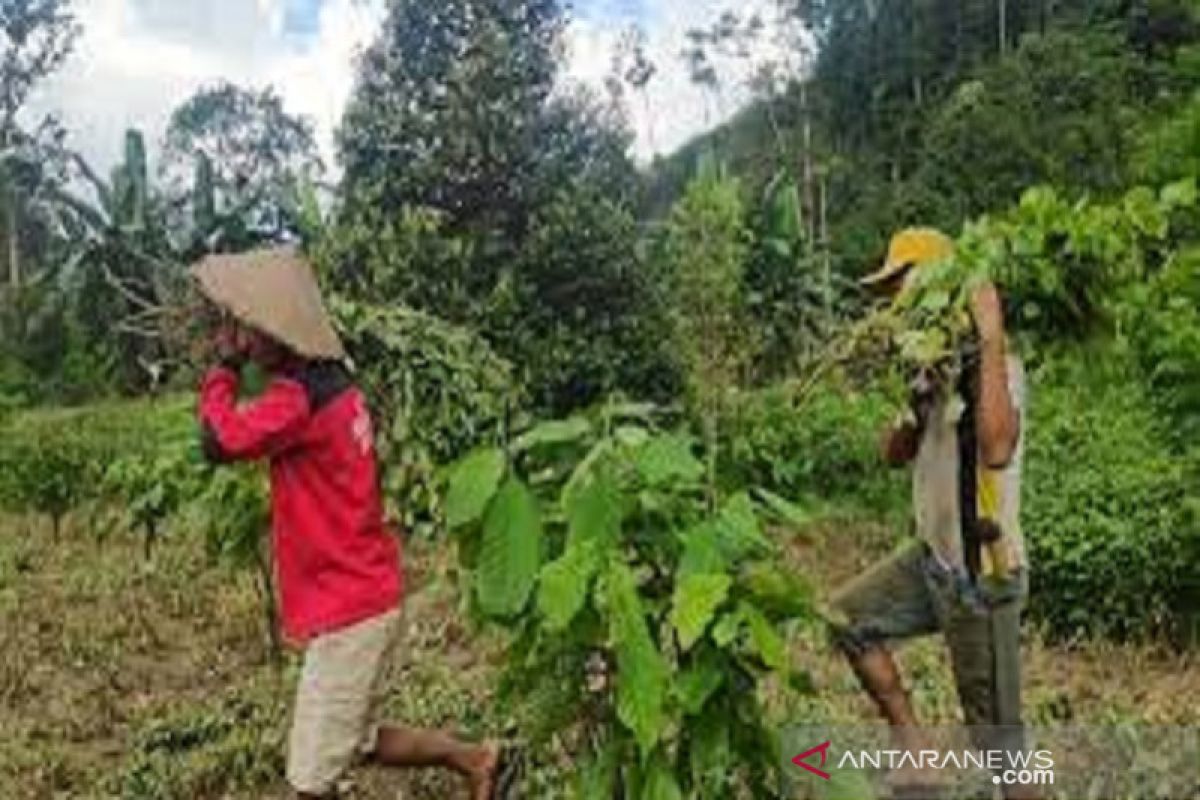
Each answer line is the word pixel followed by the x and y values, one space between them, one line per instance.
pixel 261 428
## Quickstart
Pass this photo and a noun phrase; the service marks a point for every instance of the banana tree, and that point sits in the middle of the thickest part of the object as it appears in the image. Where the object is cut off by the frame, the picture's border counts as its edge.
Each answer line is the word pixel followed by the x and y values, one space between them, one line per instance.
pixel 131 240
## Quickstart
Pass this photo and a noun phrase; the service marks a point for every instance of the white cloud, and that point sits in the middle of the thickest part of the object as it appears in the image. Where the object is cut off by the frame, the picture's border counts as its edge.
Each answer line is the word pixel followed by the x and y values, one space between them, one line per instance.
pixel 138 59
pixel 674 109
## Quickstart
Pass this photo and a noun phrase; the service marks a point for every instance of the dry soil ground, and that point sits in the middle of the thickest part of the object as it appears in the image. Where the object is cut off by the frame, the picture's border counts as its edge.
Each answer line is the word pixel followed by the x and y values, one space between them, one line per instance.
pixel 126 677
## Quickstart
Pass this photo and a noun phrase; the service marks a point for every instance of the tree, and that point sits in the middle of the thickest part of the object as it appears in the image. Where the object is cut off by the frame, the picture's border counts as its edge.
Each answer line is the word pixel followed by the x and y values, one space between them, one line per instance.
pixel 36 36
pixel 449 110
pixel 1054 111
pixel 463 151
pixel 248 147
pixel 632 68
pixel 705 251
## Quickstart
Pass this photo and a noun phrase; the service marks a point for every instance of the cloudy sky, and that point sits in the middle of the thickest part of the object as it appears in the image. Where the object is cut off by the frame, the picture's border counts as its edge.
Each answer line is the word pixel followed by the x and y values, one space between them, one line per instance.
pixel 137 59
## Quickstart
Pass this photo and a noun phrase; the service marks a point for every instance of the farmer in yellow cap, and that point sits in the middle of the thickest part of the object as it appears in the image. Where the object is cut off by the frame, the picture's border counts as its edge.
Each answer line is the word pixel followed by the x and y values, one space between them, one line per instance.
pixel 965 573
pixel 337 564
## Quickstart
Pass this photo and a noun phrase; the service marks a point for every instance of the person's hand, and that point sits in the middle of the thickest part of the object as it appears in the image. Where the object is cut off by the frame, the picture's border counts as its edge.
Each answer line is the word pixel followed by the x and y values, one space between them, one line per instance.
pixel 227 345
pixel 988 313
pixel 923 393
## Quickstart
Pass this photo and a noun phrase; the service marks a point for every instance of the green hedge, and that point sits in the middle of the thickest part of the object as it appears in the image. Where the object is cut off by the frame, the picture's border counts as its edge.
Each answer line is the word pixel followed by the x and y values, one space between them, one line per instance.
pixel 828 449
pixel 1110 513
pixel 436 390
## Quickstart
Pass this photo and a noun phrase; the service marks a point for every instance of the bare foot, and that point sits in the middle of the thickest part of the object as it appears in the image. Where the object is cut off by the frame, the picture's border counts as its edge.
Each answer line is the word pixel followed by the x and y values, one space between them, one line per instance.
pixel 483 772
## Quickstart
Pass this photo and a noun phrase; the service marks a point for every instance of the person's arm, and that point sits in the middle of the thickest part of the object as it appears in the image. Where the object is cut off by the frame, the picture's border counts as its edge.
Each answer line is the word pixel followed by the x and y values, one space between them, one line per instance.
pixel 899 444
pixel 263 427
pixel 997 422
pixel 902 439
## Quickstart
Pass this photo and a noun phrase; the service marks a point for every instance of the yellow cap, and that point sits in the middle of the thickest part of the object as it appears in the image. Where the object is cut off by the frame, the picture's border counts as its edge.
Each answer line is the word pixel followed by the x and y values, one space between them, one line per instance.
pixel 909 248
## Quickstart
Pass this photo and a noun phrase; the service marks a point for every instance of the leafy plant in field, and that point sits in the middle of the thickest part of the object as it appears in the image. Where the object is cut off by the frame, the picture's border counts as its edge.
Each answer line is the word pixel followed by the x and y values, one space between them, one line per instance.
pixel 644 623
pixel 48 466
pixel 705 249
pixel 1110 514
pixel 154 469
pixel 1162 319
pixel 234 514
pixel 151 487
pixel 435 390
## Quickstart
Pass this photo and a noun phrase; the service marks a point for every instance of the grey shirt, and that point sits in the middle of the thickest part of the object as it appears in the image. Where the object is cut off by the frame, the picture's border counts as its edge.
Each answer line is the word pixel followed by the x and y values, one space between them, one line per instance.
pixel 935 486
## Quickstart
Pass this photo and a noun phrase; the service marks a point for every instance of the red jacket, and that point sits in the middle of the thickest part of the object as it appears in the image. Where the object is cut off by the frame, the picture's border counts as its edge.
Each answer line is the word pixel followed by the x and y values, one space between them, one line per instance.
pixel 335 561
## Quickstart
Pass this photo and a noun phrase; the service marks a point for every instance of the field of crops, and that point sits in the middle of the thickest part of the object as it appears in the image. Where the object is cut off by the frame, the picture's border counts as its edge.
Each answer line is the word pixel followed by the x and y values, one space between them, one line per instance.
pixel 144 679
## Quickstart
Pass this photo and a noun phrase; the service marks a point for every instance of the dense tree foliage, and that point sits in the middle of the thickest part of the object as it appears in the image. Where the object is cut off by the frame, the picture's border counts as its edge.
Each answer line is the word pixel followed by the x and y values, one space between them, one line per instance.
pixel 36 36
pixel 252 152
pixel 458 148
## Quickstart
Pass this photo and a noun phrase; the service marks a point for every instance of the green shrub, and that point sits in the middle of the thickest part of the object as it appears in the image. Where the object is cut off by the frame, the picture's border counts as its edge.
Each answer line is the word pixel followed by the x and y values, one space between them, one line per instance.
pixel 1164 326
pixel 827 449
pixel 50 464
pixel 1110 514
pixel 135 458
pixel 155 478
pixel 646 621
pixel 436 390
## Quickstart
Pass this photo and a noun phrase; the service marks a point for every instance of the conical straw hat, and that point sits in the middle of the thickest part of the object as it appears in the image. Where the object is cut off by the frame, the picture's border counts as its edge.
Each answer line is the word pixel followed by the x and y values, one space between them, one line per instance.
pixel 275 291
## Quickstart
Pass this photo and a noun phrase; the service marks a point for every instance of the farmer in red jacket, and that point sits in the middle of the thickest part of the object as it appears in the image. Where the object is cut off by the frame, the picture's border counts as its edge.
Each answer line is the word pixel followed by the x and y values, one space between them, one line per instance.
pixel 340 580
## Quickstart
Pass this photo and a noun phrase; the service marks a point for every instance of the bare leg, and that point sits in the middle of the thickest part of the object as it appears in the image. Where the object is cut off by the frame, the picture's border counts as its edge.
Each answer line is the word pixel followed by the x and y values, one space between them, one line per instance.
pixel 877 671
pixel 412 747
pixel 879 675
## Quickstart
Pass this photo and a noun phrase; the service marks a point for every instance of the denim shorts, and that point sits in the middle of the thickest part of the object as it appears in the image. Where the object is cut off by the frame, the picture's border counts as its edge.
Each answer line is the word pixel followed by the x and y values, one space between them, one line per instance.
pixel 911 593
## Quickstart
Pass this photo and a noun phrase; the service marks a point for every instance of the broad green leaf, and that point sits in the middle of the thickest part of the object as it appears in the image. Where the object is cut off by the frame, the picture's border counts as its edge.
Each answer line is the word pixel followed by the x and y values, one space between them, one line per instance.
pixel 598 774
pixel 738 530
pixel 552 433
pixel 658 782
pixel 643 412
pixel 726 631
pixel 594 513
pixel 642 672
pixel 473 483
pixel 698 682
pixel 695 601
pixel 632 435
pixel 765 640
pixel 563 587
pixel 669 459
pixel 702 552
pixel 934 300
pixel 511 551
pixel 1181 194
pixel 585 469
pixel 777 591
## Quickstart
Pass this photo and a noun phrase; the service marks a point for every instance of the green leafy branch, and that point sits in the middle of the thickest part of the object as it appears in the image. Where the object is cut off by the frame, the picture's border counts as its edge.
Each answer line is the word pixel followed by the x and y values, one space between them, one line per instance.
pixel 647 618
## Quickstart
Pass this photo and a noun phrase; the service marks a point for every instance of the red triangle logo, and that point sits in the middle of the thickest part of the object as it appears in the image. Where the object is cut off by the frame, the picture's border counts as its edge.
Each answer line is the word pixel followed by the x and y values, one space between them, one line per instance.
pixel 802 760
